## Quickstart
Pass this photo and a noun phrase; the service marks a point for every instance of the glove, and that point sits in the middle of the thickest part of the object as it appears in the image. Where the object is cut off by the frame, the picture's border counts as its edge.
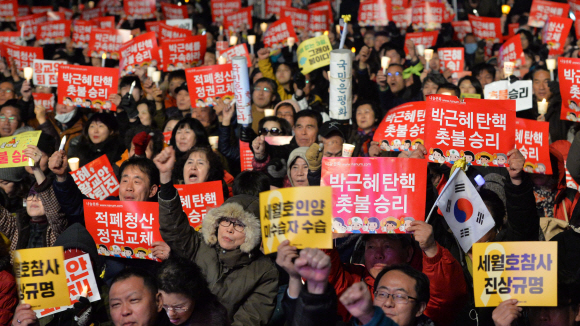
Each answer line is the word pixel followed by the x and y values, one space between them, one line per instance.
pixel 277 170
pixel 129 105
pixel 247 134
pixel 314 157
pixel 300 80
pixel 141 141
pixel 82 310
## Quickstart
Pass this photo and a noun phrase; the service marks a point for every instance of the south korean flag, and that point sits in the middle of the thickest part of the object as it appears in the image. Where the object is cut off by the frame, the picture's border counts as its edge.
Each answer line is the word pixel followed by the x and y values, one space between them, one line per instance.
pixel 464 211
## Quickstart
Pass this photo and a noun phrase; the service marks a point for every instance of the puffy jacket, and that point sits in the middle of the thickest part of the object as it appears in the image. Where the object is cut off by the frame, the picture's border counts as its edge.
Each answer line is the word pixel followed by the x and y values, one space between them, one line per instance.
pixel 8 293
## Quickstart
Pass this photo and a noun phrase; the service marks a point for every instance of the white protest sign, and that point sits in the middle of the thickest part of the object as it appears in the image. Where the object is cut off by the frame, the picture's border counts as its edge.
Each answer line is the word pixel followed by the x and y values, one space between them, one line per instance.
pixel 521 91
pixel 181 23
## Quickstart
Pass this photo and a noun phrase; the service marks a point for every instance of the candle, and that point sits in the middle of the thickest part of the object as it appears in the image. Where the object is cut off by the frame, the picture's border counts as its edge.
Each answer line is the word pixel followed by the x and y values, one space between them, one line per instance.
pixel 252 41
pixel 221 30
pixel 268 112
pixel 27 73
pixel 337 29
pixel 325 32
pixel 508 68
pixel 420 49
pixel 233 40
pixel 385 61
pixel 317 34
pixel 73 163
pixel 542 107
pixel 551 64
pixel 222 60
pixel 104 59
pixel 505 9
pixel 428 54
pixel 291 42
pixel 150 71
pixel 156 77
pixel 264 27
pixel 22 31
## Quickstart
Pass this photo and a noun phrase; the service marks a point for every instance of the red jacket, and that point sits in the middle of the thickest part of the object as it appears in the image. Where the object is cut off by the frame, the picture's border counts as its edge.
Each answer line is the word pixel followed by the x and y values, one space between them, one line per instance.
pixel 8 297
pixel 447 284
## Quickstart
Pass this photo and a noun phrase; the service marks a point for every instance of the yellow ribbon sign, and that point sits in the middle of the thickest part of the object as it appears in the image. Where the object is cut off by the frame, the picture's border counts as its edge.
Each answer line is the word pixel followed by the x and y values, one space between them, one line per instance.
pixel 314 53
pixel 11 148
pixel 41 277
pixel 302 215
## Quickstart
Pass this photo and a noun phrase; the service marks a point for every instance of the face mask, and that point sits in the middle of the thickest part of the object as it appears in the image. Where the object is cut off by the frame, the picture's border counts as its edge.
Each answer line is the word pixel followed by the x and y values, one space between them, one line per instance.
pixel 470 48
pixel 65 117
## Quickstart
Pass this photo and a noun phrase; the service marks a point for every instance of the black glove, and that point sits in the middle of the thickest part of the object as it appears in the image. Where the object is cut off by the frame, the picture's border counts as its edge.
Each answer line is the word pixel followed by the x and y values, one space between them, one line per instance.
pixel 300 80
pixel 82 311
pixel 129 105
pixel 247 134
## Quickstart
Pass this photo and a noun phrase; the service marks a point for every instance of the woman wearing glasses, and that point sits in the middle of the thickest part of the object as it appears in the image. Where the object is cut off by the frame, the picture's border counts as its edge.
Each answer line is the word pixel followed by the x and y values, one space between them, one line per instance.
pixel 274 126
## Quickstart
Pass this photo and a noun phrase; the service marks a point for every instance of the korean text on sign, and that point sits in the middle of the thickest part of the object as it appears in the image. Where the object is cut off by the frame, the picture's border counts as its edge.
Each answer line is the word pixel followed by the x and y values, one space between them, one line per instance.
pixel 82 33
pixel 168 32
pixel 174 11
pixel 235 21
pixel 11 148
pixel 512 51
pixel 197 199
pixel 373 12
pixel 221 8
pixel 515 270
pixel 485 27
pixel 278 32
pixel 54 32
pixel 44 100
pixel 403 129
pixel 301 215
pixel 532 139
pixel 428 15
pixel 139 9
pixel 314 53
pixel 183 53
pixel 45 72
pixel 317 21
pixel 452 59
pixel 246 156
pixel 8 10
pixel 299 17
pixel 23 55
pixel 88 87
pixel 207 83
pixel 41 277
pixel 569 77
pixel 124 229
pixel 96 179
pixel 240 50
pixel 273 7
pixel 30 24
pixel 375 195
pixel 141 51
pixel 541 10
pixel 521 91
pixel 555 33
pixel 322 6
pixel 461 29
pixel 427 39
pixel 107 41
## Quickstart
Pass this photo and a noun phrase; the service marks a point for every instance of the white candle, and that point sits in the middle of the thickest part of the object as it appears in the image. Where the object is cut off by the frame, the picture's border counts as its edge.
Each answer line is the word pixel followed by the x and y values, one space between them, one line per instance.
pixel 508 68
pixel 251 42
pixel 222 60
pixel 542 107
pixel 150 71
pixel 385 61
pixel 156 77
pixel 291 42
pixel 317 34
pixel 428 54
pixel 551 64
pixel 73 163
pixel 263 27
pixel 420 49
pixel 268 112
pixel 233 40
pixel 221 30
pixel 337 29
pixel 104 59
pixel 27 73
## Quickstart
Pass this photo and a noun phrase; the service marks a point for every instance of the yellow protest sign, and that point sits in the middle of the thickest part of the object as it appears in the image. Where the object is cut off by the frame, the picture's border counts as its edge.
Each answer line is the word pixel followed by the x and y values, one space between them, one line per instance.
pixel 465 95
pixel 526 271
pixel 314 53
pixel 302 215
pixel 11 148
pixel 41 277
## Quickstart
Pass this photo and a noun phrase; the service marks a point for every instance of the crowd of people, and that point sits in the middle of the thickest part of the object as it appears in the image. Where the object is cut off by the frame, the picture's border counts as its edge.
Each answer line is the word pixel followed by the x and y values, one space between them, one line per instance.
pixel 219 275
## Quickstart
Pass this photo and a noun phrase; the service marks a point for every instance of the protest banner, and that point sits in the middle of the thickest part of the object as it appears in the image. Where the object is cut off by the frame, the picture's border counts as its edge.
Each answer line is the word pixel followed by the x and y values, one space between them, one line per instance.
pixel 555 33
pixel 278 140
pixel 197 199
pixel 292 213
pixel 41 278
pixel 460 29
pixel 574 5
pixel 81 34
pixel 402 17
pixel 238 20
pixel 569 77
pixel 45 72
pixel 107 41
pixel 532 139
pixel 8 10
pixel 89 14
pixel 512 51
pixel 80 278
pixel 53 32
pixel 486 28
pixel 322 6
pixel 400 4
pixel 317 21
pixel 23 10
pixel 169 32
pixel 243 96
pixel 154 27
pixel 141 51
pixel 171 11
pixel 11 148
pixel 181 23
pixel 139 9
pixel 445 97
pixel 340 88
pixel 246 156
pixel 273 7
pixel 427 39
pixel 88 87
pixel 374 13
pixel 44 100
pixel 97 179
pixel 40 9
pixel 375 195
pixel 9 37
pixel 403 128
pixel 68 13
pixel 541 10
pixel 221 8
pixel 481 132
pixel 183 53
pixel 167 137
pixel 428 15
pixel 515 270
pixel 452 59
pixel 278 32
pixel 240 50
pixel 221 46
pixel 105 22
pixel 123 229
pixel 23 56
pixel 521 91
pixel 513 29
pixel 299 18
pixel 207 84
pixel 28 25
pixel 314 53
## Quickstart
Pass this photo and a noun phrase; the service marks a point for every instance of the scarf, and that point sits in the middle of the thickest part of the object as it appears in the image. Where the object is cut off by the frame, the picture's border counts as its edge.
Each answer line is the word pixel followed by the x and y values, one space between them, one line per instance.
pixel 365 140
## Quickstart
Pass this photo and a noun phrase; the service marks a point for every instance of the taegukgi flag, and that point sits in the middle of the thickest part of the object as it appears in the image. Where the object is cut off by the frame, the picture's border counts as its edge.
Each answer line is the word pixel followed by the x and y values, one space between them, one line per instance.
pixel 464 210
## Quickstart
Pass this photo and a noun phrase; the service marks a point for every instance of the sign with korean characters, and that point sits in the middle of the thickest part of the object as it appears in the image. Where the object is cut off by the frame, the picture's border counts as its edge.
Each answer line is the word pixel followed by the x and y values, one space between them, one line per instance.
pixel 44 100
pixel 555 33
pixel 45 72
pixel 139 9
pixel 53 32
pixel 427 39
pixel 403 128
pixel 452 59
pixel 246 156
pixel 322 6
pixel 273 7
pixel 402 17
pixel 486 28
pixel 208 83
pixel 475 129
pixel 278 32
pixel 428 15
pixel 515 270
pixel 512 51
pixel 541 10
pixel 521 91
pixel 30 25
pixel 532 139
pixel 317 21
pixel 569 77
pixel 105 22
pixel 314 53
pixel 40 9
pixel 8 10
pixel 221 8
pixel 96 179
pixel 41 278
pixel 373 13
pixel 11 148
pixel 107 41
pixel 23 56
pixel 183 53
pixel 55 16
pixel 81 34
pixel 168 32
pixel 89 14
pixel 302 215
pixel 181 23
pixel 240 50
pixel 154 26
pixel 299 17
pixel 79 276
pixel 375 195
pixel 141 51
pixel 235 21
pixel 9 37
pixel 88 87
pixel 68 13
pixel 124 229
pixel 171 11
pixel 198 198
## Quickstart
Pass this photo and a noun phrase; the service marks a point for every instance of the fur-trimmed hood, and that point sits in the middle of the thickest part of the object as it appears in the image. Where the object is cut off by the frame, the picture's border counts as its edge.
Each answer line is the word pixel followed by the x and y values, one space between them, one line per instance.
pixel 244 208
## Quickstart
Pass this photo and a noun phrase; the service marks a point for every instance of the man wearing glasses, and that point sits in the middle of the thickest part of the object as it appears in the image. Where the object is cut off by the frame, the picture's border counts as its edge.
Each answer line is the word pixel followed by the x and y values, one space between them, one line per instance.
pixel 6 92
pixel 263 97
pixel 393 90
pixel 10 119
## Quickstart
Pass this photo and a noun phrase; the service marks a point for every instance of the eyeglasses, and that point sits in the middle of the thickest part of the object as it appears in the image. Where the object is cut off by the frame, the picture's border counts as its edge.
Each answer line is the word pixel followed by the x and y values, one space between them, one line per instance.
pixel 3 90
pixel 398 298
pixel 274 131
pixel 10 119
pixel 265 89
pixel 177 310
pixel 238 226
pixel 33 197
pixel 390 74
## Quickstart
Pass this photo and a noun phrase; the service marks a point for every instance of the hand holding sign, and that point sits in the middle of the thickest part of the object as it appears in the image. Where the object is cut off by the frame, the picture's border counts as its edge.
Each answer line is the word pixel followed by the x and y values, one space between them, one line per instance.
pixel 285 258
pixel 58 164
pixel 423 233
pixel 506 312
pixel 24 316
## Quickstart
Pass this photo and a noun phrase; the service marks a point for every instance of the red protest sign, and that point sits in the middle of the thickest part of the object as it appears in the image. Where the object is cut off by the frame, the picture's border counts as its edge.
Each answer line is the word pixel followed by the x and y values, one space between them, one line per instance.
pixel 375 195
pixel 87 86
pixel 400 4
pixel 322 6
pixel 374 12
pixel 221 46
pixel 89 14
pixel 141 51
pixel 206 84
pixel 299 17
pixel 67 12
pixel 246 156
pixel 8 10
pixel 45 72
pixel 53 32
pixel 40 9
pixel 23 55
pixel 221 8
pixel 139 9
pixel 170 32
pixel 402 17
pixel 511 51
pixel 240 50
pixel 513 29
pixel 30 24
pixel 541 10
pixel 427 39
pixel 23 11
pixel 96 179
pixel 116 225
pixel 174 11
pixel 107 41
pixel 183 53
pixel 154 27
pixel 532 139
pixel 403 128
pixel 82 33
pixel 318 21
pixel 197 199
pixel 44 100
pixel 485 27
pixel 428 15
pixel 555 33
pixel 460 29
pixel 235 21
pixel 273 7
pixel 569 77
pixel 167 137
pixel 473 129
pixel 9 37
pixel 278 32
pixel 574 5
pixel 452 59
pixel 55 16
pixel 105 22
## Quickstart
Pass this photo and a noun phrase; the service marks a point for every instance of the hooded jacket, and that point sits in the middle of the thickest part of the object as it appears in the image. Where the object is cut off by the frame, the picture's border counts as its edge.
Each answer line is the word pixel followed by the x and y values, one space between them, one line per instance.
pixel 299 152
pixel 244 280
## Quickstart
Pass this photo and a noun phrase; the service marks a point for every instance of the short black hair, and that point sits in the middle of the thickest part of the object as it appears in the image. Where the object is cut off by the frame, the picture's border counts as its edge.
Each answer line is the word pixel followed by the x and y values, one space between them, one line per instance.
pixel 474 82
pixel 390 46
pixel 170 278
pixel 176 74
pixel 13 103
pixel 477 69
pixel 374 106
pixel 309 113
pixel 216 167
pixel 148 279
pixel 128 248
pixel 450 87
pixel 435 78
pixel 128 80
pixel 285 126
pixel 494 205
pixel 421 280
pixel 201 137
pixel 108 119
pixel 251 183
pixel 145 165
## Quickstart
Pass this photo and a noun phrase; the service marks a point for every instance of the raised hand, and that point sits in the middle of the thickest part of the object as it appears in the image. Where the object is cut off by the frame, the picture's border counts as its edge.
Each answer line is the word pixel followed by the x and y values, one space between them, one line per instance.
pixel 259 146
pixel 314 267
pixel 165 162
pixel 357 300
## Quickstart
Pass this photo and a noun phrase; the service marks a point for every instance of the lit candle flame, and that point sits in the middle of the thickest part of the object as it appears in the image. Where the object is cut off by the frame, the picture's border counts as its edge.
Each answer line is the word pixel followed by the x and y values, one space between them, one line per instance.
pixel 85 291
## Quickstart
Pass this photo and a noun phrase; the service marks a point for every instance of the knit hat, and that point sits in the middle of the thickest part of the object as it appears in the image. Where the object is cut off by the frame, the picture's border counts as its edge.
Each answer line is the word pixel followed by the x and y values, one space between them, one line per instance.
pixel 496 183
pixel 76 236
pixel 291 102
pixel 141 141
pixel 15 174
pixel 46 144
